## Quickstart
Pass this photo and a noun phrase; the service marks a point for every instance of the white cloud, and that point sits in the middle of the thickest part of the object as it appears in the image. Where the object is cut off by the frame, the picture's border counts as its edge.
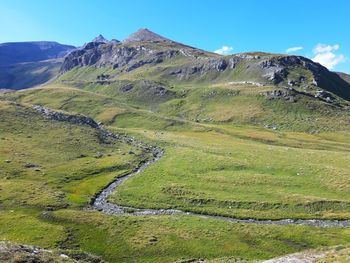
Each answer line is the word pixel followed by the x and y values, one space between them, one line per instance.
pixel 293 49
pixel 225 50
pixel 322 48
pixel 324 54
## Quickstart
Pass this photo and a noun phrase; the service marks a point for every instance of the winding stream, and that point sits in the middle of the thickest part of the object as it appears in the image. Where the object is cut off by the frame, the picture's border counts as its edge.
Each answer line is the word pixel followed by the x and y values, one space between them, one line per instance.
pixel 100 203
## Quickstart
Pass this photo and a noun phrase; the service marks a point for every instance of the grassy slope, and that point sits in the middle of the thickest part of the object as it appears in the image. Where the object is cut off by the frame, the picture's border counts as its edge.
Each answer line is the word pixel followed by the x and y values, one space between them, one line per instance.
pixel 272 173
pixel 226 102
pixel 160 239
pixel 67 171
pixel 253 172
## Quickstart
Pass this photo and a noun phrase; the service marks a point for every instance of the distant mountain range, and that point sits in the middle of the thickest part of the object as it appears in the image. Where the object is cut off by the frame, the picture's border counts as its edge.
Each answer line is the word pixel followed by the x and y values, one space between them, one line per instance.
pixel 18 52
pixel 27 64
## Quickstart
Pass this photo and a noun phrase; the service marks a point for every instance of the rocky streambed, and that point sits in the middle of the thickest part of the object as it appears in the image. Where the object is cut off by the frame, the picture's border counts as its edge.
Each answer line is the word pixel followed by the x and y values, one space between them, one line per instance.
pixel 100 202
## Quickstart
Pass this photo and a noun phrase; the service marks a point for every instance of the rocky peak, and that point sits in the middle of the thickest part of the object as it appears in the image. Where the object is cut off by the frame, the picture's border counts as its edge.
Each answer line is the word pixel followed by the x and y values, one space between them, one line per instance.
pixel 114 41
pixel 146 35
pixel 100 39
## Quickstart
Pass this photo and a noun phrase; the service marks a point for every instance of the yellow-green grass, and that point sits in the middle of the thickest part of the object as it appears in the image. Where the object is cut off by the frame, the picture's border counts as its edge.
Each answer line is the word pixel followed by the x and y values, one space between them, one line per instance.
pixel 253 172
pixel 70 163
pixel 242 105
pixel 223 171
pixel 214 167
pixel 160 238
pixel 339 254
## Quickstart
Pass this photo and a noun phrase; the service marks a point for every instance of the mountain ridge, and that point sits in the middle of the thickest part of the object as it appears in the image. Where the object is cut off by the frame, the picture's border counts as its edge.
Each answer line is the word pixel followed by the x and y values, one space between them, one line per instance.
pixel 178 63
pixel 147 51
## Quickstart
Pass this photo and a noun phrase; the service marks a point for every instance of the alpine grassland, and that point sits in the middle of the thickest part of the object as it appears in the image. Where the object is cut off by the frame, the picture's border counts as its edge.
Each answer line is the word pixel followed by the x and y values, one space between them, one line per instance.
pixel 241 167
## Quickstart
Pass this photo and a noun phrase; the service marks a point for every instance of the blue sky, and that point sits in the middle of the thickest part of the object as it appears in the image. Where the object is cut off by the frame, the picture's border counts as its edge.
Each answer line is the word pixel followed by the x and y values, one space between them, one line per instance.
pixel 313 28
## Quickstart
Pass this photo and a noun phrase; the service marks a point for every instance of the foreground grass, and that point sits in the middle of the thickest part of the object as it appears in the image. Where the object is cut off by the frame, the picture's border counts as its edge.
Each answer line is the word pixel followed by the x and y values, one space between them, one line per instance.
pixel 338 254
pixel 161 238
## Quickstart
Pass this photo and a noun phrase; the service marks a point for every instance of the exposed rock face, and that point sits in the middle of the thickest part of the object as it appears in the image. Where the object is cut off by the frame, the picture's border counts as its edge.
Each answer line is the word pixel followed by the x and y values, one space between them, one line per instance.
pixel 115 55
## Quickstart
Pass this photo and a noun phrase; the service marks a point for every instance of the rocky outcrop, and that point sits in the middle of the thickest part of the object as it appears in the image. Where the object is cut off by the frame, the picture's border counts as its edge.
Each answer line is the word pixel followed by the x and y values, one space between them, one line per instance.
pixel 201 67
pixel 79 119
pixel 118 56
pixel 11 252
pixel 324 95
pixel 321 76
pixel 61 116
pixel 150 91
pixel 286 94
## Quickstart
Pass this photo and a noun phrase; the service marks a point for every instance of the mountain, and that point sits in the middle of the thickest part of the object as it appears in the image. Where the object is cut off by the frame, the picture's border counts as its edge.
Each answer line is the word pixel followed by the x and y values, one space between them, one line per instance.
pixel 100 39
pixel 154 55
pixel 18 52
pixel 185 83
pixel 145 35
pixel 178 63
pixel 131 53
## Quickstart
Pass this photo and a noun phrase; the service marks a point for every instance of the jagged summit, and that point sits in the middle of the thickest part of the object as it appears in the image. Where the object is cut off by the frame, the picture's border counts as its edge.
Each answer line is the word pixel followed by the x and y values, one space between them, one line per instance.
pixel 100 39
pixel 143 34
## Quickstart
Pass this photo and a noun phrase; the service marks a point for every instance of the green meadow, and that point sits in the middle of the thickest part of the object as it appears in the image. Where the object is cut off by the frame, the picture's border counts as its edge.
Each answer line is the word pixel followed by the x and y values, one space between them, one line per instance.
pixel 221 158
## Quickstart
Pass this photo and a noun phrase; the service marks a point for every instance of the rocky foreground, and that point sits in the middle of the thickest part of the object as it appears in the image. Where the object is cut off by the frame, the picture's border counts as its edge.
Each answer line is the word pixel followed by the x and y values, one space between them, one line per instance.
pixel 15 253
